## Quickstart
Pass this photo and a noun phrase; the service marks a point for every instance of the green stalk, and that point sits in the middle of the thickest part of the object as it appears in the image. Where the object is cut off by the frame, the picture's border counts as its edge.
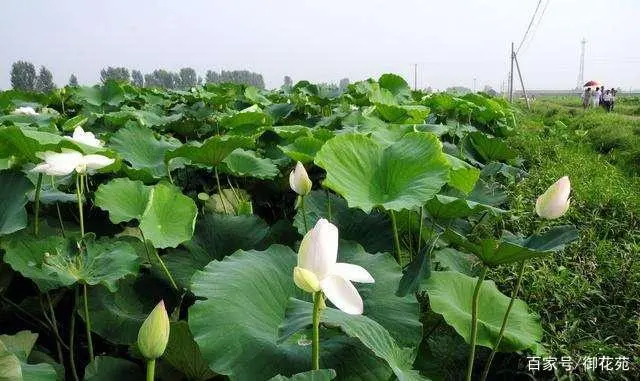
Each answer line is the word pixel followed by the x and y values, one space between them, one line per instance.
pixel 326 191
pixel 396 240
pixel 304 214
pixel 72 330
pixel 36 226
pixel 164 267
pixel 79 195
pixel 514 294
pixel 315 348
pixel 474 323
pixel 420 229
pixel 60 220
pixel 87 321
pixel 54 327
pixel 151 369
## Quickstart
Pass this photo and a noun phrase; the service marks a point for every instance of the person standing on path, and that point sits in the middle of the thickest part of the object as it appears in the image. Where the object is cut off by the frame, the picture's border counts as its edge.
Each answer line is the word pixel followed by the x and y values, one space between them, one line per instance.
pixel 596 97
pixel 606 100
pixel 586 98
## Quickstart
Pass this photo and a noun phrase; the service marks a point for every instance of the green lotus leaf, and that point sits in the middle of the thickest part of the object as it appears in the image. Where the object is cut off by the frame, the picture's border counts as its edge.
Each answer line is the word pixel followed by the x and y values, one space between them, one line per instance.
pixel 24 143
pixel 451 259
pixel 246 122
pixel 510 248
pixel 14 351
pixel 280 111
pixel 14 187
pixel 292 131
pixel 143 117
pixel 111 94
pixel 138 146
pixel 488 149
pixel 450 294
pixel 183 353
pixel 105 368
pixel 254 95
pixel 248 164
pixel 463 176
pixel 212 151
pixel 169 218
pixel 77 121
pixel 117 316
pixel 396 86
pixel 371 334
pixel 415 272
pixel 303 149
pixel 312 375
pixel 124 199
pixel 370 230
pixel 262 282
pixel 402 114
pixel 403 176
pixel 444 206
pixel 216 236
pixel 102 261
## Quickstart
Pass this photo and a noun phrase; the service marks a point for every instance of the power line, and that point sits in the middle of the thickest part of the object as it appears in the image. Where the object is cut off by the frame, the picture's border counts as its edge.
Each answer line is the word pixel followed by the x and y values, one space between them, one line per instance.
pixel 535 28
pixel 529 27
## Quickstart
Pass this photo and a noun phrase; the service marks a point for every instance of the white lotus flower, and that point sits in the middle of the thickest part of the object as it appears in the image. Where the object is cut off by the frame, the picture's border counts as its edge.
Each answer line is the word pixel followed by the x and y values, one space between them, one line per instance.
pixel 60 164
pixel 554 203
pixel 88 138
pixel 317 269
pixel 24 111
pixel 299 180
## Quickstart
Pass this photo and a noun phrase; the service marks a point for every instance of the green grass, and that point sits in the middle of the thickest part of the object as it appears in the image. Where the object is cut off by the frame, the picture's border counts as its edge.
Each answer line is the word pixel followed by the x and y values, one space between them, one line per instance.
pixel 589 295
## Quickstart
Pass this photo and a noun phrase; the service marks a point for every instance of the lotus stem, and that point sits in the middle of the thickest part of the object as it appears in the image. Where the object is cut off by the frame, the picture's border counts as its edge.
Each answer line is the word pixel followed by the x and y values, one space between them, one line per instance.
pixel 72 330
pixel 215 172
pixel 60 220
pixel 420 229
pixel 315 346
pixel 396 240
pixel 54 327
pixel 79 195
pixel 514 295
pixel 304 214
pixel 164 267
pixel 326 191
pixel 36 227
pixel 151 369
pixel 87 321
pixel 474 323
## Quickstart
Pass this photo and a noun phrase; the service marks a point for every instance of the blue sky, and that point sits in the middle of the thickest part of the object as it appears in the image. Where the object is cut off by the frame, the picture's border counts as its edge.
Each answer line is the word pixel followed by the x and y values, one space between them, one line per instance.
pixel 452 41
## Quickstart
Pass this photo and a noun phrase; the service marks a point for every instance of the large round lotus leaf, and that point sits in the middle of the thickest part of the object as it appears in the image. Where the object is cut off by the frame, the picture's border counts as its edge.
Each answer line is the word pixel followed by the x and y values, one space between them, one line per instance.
pixel 303 149
pixel 25 143
pixel 169 217
pixel 463 175
pixel 450 294
pixel 247 295
pixel 117 316
pixel 105 368
pixel 183 353
pixel 248 164
pixel 138 146
pixel 13 197
pixel 212 151
pixel 14 351
pixel 370 230
pixel 312 375
pixel 216 236
pixel 402 176
pixel 124 199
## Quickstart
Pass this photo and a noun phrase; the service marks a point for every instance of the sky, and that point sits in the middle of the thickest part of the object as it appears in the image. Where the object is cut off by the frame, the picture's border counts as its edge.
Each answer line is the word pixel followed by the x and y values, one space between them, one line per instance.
pixel 452 42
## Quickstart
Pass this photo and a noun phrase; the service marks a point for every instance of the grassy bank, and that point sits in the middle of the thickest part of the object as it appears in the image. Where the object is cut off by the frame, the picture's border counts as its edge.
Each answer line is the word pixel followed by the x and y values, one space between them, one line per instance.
pixel 589 296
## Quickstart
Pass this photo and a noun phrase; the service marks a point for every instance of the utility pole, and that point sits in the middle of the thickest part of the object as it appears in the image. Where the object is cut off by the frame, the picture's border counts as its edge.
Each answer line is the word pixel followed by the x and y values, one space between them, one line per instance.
pixel 415 77
pixel 474 85
pixel 581 72
pixel 513 54
pixel 524 91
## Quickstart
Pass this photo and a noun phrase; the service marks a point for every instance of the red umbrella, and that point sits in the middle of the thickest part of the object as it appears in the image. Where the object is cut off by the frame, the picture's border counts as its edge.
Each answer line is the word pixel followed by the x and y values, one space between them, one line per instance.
pixel 591 83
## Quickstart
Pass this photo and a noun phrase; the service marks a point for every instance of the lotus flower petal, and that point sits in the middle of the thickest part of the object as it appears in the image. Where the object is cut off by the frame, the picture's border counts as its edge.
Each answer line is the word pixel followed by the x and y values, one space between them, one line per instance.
pixel 342 294
pixel 88 138
pixel 351 272
pixel 97 161
pixel 299 180
pixel 554 202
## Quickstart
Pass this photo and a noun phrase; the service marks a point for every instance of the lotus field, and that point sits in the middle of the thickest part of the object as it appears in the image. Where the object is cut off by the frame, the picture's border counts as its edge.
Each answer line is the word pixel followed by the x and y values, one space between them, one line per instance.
pixel 233 233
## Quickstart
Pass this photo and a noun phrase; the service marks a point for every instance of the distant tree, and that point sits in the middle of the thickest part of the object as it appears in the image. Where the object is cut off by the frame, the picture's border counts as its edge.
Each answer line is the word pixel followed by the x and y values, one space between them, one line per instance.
pixel 136 78
pixel 114 73
pixel 188 78
pixel 288 82
pixel 163 79
pixel 458 90
pixel 73 80
pixel 344 82
pixel 243 77
pixel 44 83
pixel 23 76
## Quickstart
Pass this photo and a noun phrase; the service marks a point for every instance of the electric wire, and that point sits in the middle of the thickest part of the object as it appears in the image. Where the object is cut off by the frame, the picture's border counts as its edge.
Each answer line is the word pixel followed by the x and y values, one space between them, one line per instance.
pixel 529 27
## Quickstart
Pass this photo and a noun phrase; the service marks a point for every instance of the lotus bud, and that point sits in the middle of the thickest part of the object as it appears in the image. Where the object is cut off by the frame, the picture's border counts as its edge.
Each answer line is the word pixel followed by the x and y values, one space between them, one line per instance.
pixel 299 180
pixel 154 333
pixel 554 203
pixel 306 280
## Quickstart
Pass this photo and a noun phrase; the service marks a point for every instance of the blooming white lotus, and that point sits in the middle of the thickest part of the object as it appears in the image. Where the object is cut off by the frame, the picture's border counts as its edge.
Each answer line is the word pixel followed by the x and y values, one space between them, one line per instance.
pixel 299 180
pixel 60 164
pixel 318 269
pixel 554 203
pixel 87 138
pixel 25 111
